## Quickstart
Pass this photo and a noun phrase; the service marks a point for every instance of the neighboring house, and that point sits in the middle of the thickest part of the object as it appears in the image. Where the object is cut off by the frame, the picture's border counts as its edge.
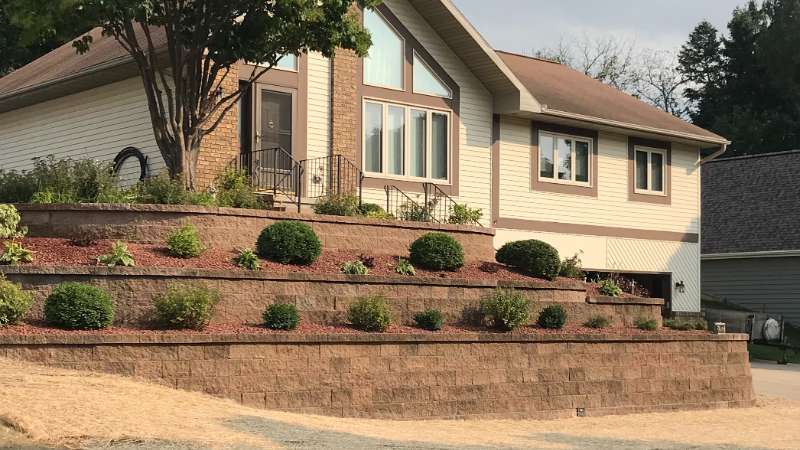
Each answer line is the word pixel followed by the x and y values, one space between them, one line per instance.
pixel 543 150
pixel 751 244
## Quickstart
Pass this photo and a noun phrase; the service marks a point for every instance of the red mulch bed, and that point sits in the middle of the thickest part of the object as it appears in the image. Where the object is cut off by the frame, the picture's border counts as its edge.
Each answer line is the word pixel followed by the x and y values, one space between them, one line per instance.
pixel 309 328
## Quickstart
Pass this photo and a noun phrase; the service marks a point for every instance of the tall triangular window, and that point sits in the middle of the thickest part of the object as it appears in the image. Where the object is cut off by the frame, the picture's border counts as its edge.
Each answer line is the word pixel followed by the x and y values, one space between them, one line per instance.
pixel 383 67
pixel 426 82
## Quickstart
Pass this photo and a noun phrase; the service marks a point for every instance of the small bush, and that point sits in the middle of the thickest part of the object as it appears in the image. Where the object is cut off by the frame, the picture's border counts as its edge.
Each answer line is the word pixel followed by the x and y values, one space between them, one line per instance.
pixel 686 324
pixel 186 307
pixel 644 323
pixel 553 317
pixel 9 222
pixel 373 210
pixel 368 261
pixel 185 243
pixel 505 309
pixel 289 242
pixel 85 238
pixel 462 214
pixel 597 322
pixel 414 212
pixel 532 257
pixel 247 259
pixel 370 314
pixel 14 302
pixel 234 189
pixel 437 251
pixel 281 316
pixel 200 199
pixel 609 287
pixel 337 205
pixel 14 254
pixel 78 306
pixel 355 268
pixel 403 267
pixel 430 319
pixel 161 190
pixel 571 267
pixel 119 256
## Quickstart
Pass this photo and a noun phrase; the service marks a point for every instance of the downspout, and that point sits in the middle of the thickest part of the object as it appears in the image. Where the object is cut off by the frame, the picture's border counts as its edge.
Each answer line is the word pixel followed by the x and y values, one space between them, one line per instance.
pixel 708 158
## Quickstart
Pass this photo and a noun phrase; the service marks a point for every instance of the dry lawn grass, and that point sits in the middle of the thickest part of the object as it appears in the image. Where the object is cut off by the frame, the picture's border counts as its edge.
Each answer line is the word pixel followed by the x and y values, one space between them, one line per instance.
pixel 65 407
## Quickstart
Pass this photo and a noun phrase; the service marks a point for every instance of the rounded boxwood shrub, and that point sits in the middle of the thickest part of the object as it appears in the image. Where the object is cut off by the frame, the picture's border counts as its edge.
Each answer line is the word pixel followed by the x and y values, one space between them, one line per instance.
pixel 532 257
pixel 79 306
pixel 14 302
pixel 289 242
pixel 370 314
pixel 553 317
pixel 281 316
pixel 437 251
pixel 186 307
pixel 505 309
pixel 431 319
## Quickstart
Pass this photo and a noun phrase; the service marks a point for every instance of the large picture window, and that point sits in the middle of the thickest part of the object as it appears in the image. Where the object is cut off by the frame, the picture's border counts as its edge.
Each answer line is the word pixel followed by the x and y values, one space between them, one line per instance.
pixel 406 141
pixel 564 159
pixel 383 66
pixel 649 171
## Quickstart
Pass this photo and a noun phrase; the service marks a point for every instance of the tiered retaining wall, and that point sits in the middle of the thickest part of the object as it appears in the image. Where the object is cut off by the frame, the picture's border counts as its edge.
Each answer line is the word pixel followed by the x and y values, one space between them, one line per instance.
pixel 322 299
pixel 422 376
pixel 233 228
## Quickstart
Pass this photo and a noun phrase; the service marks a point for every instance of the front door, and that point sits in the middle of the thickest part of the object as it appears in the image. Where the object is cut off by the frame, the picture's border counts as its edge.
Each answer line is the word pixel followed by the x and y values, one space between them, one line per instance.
pixel 274 121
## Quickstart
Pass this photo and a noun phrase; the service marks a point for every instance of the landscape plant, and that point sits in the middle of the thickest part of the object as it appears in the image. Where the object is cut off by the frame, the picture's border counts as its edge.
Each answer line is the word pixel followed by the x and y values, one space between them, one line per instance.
pixel 686 324
pixel 289 242
pixel 430 319
pixel 247 259
pixel 437 251
pixel 505 309
pixel 14 254
pixel 464 215
pixel 119 256
pixel 281 316
pixel 553 317
pixel 186 306
pixel 337 205
pixel 598 321
pixel 571 267
pixel 355 268
pixel 185 243
pixel 370 313
pixel 374 211
pixel 531 257
pixel 234 190
pixel 404 267
pixel 609 287
pixel 79 306
pixel 646 323
pixel 9 222
pixel 14 302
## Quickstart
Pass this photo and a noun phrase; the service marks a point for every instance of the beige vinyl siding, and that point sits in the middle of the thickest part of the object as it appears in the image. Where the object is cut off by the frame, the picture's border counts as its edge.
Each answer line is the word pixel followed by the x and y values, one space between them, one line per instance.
pixel 611 207
pixel 96 124
pixel 319 105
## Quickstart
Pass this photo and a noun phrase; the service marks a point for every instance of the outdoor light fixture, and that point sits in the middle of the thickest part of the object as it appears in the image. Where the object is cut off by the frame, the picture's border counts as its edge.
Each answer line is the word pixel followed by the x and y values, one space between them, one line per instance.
pixel 680 287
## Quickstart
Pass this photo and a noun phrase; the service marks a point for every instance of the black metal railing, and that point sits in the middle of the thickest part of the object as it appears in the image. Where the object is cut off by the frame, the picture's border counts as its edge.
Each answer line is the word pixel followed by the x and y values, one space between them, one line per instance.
pixel 442 207
pixel 433 205
pixel 332 175
pixel 403 207
pixel 274 171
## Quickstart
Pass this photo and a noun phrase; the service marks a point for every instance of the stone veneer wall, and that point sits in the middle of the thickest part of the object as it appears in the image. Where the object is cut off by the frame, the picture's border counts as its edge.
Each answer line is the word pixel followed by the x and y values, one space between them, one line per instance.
pixel 232 228
pixel 422 376
pixel 219 148
pixel 321 299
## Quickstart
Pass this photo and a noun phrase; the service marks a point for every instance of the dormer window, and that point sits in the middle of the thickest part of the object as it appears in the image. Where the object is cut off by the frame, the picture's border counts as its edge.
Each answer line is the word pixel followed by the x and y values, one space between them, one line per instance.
pixel 426 82
pixel 383 67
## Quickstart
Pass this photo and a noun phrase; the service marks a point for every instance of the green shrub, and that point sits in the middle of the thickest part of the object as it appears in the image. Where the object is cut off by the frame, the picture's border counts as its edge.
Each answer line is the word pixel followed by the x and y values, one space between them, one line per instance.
pixel 355 268
pixel 366 209
pixel 370 314
pixel 61 181
pixel 403 267
pixel 686 324
pixel 235 190
pixel 505 309
pixel 532 257
pixel 571 267
pixel 247 259
pixel 185 243
pixel 414 212
pixel 200 199
pixel 119 256
pixel 644 323
pixel 437 251
pixel 14 302
pixel 552 317
pixel 462 214
pixel 161 190
pixel 289 242
pixel 609 287
pixel 281 316
pixel 16 187
pixel 78 306
pixel 597 322
pixel 431 319
pixel 9 222
pixel 337 205
pixel 14 254
pixel 186 306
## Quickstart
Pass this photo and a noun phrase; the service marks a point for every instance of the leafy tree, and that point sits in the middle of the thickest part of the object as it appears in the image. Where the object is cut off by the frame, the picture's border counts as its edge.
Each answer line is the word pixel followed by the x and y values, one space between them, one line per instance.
pixel 185 49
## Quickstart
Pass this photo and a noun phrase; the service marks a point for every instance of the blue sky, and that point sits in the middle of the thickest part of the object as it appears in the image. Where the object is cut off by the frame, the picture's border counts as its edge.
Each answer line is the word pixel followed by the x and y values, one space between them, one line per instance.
pixel 534 24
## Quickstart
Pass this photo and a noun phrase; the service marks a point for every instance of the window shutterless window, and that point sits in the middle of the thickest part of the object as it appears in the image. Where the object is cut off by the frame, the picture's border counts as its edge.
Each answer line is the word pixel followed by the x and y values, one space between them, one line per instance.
pixel 564 159
pixel 403 141
pixel 650 170
pixel 383 66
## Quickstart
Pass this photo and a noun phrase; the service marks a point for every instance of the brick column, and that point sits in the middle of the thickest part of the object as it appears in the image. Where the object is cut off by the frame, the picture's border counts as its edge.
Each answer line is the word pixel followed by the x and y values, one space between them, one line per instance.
pixel 221 147
pixel 345 104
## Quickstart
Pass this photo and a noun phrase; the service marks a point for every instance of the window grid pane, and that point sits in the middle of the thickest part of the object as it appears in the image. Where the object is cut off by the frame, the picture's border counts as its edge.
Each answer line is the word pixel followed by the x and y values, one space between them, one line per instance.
pixel 396 138
pixel 582 161
pixel 384 64
pixel 419 134
pixel 564 148
pixel 657 172
pixel 545 156
pixel 439 146
pixel 426 82
pixel 641 170
pixel 373 137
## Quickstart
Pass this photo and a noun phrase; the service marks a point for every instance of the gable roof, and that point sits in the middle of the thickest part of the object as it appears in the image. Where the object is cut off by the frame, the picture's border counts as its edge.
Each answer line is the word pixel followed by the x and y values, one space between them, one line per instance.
pixel 563 91
pixel 751 203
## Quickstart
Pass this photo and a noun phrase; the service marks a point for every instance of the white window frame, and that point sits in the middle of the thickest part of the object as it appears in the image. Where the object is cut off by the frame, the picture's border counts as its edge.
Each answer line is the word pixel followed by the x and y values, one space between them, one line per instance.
pixel 649 190
pixel 402 59
pixel 555 179
pixel 417 57
pixel 384 173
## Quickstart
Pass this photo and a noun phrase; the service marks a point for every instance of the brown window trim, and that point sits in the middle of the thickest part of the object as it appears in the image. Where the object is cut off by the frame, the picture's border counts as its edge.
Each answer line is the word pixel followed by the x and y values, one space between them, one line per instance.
pixel 571 189
pixel 408 97
pixel 633 196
